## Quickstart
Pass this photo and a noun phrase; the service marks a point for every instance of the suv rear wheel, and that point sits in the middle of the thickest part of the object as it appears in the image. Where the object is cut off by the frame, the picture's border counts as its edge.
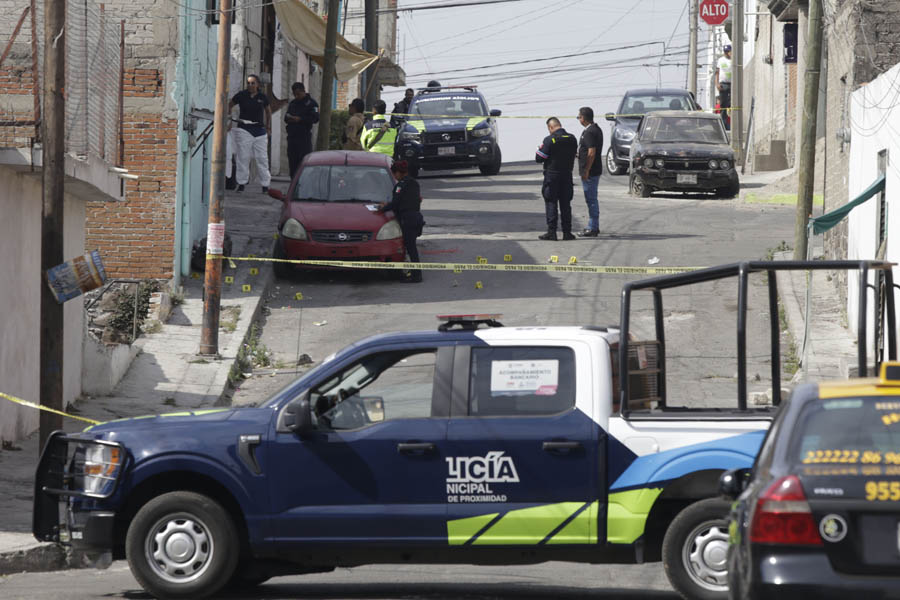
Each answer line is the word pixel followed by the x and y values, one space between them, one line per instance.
pixel 612 165
pixel 182 545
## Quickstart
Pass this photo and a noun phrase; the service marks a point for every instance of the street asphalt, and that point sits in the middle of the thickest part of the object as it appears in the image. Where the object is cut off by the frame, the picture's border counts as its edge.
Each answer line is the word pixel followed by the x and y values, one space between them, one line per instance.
pixel 467 216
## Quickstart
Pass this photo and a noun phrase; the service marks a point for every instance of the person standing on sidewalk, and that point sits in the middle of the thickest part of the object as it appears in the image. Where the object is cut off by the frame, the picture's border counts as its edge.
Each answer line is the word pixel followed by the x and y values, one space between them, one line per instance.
pixel 354 126
pixel 251 137
pixel 557 152
pixel 406 203
pixel 589 167
pixel 723 84
pixel 302 114
pixel 378 135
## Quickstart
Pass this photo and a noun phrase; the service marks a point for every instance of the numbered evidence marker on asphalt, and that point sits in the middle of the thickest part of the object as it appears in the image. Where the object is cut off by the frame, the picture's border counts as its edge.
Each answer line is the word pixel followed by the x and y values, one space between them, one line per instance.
pixel 195 275
pixel 457 270
pixel 298 296
pixel 507 258
pixel 478 285
pixel 482 260
pixel 245 287
pixel 554 258
pixel 229 279
pixel 254 271
pixel 572 260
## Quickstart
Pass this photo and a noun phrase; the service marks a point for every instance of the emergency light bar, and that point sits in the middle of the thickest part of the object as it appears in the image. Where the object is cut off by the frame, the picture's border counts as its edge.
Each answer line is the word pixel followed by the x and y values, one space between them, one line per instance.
pixel 468 322
pixel 438 88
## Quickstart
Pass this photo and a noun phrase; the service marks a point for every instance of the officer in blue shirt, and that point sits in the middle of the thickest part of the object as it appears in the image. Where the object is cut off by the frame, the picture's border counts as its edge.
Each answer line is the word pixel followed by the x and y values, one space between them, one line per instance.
pixel 557 153
pixel 302 114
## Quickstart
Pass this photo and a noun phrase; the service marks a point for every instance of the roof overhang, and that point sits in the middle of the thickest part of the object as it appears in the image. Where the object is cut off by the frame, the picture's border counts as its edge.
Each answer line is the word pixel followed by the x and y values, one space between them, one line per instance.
pixel 786 10
pixel 89 179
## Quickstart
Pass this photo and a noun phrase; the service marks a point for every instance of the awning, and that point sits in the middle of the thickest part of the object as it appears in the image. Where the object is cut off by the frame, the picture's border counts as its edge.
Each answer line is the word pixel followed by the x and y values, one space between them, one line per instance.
pixel 829 220
pixel 307 30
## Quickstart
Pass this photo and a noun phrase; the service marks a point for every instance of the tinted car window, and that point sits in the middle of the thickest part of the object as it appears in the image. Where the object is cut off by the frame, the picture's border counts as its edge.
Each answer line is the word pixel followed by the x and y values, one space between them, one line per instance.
pixel 683 129
pixel 342 183
pixel 449 106
pixel 643 104
pixel 512 381
pixel 848 430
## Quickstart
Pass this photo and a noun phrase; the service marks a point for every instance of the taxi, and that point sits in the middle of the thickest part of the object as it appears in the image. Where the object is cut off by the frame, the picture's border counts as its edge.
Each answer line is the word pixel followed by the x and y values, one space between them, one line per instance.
pixel 818 515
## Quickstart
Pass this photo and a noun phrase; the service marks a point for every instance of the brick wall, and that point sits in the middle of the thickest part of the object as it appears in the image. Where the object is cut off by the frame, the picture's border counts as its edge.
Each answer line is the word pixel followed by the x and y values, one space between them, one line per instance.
pixel 143 83
pixel 137 237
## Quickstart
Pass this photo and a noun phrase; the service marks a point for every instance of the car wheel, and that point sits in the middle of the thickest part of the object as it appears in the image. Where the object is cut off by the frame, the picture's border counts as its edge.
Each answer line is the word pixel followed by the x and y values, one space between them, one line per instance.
pixel 612 165
pixel 729 192
pixel 281 270
pixel 494 167
pixel 638 188
pixel 182 545
pixel 695 548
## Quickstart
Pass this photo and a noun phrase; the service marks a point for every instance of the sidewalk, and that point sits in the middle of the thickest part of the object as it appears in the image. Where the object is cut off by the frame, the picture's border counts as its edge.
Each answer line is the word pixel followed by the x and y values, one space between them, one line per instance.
pixel 166 376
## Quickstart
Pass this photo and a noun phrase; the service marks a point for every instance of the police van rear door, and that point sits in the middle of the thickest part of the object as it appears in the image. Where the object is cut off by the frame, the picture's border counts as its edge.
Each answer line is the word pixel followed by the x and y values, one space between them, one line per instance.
pixel 523 461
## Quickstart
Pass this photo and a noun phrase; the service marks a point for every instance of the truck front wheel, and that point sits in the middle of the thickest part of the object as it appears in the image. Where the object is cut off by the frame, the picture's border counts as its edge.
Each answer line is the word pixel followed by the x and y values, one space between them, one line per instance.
pixel 182 545
pixel 694 551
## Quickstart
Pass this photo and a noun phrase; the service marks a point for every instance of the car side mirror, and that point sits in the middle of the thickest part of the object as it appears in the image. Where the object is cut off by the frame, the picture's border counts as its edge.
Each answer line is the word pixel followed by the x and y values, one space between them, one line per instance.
pixel 298 416
pixel 276 194
pixel 496 112
pixel 610 117
pixel 733 483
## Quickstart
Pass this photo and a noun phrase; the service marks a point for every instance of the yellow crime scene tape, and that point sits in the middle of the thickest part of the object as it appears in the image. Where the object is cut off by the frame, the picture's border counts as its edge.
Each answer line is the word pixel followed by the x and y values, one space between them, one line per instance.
pixel 414 117
pixel 572 267
pixel 47 409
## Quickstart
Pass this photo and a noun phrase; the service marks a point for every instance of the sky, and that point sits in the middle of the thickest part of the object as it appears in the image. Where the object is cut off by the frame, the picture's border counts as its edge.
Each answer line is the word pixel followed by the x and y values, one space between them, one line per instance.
pixel 617 45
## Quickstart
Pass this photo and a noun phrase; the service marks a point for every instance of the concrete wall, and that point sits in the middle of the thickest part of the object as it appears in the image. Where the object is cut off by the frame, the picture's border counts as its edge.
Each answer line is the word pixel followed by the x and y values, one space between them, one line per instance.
pixel 20 297
pixel 875 127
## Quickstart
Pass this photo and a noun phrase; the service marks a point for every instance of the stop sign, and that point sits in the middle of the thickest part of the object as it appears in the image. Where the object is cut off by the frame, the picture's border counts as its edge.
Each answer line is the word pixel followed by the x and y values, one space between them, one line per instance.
pixel 714 12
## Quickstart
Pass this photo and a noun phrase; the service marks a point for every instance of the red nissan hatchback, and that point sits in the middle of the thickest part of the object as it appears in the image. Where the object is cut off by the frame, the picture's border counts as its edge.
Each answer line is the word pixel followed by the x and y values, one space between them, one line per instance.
pixel 329 211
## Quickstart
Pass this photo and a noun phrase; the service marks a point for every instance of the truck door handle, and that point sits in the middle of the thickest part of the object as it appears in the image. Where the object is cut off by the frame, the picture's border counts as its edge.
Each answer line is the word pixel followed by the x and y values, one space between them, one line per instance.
pixel 415 447
pixel 561 446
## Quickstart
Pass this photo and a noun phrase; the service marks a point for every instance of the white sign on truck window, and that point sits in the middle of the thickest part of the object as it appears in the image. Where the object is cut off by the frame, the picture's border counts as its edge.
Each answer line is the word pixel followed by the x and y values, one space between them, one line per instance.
pixel 539 377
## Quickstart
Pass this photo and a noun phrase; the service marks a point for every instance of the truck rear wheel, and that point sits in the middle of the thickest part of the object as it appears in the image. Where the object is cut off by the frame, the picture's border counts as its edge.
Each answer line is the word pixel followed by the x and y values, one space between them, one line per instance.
pixel 182 545
pixel 695 548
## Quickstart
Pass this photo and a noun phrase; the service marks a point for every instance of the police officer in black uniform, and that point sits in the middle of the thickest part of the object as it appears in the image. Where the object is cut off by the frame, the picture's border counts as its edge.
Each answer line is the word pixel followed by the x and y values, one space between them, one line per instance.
pixel 302 114
pixel 406 202
pixel 557 152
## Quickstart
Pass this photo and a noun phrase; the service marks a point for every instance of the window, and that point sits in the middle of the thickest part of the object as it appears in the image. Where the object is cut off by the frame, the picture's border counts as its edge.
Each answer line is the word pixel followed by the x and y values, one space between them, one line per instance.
pixel 388 385
pixel 212 16
pixel 455 106
pixel 512 381
pixel 639 105
pixel 341 183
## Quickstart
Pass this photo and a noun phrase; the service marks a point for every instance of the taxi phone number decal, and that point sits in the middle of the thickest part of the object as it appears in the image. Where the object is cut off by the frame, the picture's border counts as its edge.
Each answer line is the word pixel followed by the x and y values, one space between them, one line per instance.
pixel 883 490
pixel 851 456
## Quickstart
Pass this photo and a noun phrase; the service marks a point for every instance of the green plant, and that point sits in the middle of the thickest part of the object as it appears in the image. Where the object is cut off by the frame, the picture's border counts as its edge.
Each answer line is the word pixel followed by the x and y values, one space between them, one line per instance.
pixel 177 297
pixel 253 353
pixel 228 318
pixel 338 122
pixel 782 247
pixel 791 360
pixel 123 319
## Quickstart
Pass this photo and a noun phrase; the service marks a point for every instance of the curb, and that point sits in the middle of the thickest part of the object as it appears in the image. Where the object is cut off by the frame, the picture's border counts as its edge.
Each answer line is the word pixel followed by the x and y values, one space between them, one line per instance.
pixel 36 558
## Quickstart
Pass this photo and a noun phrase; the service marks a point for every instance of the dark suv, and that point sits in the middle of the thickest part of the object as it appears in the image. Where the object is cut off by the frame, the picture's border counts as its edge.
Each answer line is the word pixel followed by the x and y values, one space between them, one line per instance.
pixel 635 105
pixel 450 128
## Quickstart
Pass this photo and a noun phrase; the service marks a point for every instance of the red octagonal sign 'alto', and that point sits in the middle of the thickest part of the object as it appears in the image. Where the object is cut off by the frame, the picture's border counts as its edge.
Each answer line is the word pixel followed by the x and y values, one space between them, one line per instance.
pixel 714 12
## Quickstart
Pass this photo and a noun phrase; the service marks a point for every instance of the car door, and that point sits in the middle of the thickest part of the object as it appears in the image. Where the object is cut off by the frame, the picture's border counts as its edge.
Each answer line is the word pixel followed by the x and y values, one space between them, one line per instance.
pixel 372 469
pixel 522 454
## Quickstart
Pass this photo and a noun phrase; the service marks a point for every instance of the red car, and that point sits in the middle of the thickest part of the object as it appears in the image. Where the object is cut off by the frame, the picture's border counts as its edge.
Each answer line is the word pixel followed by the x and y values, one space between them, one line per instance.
pixel 329 211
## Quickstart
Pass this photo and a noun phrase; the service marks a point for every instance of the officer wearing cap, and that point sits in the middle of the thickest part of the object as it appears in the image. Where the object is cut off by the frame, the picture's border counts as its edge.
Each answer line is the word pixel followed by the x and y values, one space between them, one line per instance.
pixel 378 135
pixel 406 203
pixel 557 152
pixel 723 82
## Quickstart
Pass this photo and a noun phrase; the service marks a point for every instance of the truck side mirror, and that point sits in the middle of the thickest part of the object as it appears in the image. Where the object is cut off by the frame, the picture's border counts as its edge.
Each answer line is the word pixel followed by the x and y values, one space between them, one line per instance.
pixel 495 112
pixel 733 483
pixel 298 416
pixel 610 117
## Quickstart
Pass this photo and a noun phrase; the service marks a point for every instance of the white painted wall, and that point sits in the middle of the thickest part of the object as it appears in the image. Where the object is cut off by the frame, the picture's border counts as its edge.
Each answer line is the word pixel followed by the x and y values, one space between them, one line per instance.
pixel 875 126
pixel 20 297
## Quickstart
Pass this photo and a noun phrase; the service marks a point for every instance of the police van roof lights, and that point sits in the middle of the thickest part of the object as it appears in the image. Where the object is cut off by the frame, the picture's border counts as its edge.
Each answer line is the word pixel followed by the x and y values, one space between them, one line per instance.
pixel 468 322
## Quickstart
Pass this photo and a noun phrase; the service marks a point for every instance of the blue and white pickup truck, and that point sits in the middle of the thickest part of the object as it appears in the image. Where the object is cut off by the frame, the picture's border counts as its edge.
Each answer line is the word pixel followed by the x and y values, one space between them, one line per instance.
pixel 472 443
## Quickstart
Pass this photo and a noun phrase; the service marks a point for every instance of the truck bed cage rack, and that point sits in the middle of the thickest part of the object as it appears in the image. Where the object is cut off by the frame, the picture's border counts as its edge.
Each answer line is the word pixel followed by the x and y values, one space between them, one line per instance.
pixel 655 377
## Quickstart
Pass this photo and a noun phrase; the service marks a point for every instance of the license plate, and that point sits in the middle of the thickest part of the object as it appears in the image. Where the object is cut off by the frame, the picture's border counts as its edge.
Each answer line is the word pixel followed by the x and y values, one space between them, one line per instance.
pixel 686 178
pixel 443 150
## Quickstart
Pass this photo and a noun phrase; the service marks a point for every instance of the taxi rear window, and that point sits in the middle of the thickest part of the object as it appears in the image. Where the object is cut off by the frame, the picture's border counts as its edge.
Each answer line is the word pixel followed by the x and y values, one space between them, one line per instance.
pixel 848 431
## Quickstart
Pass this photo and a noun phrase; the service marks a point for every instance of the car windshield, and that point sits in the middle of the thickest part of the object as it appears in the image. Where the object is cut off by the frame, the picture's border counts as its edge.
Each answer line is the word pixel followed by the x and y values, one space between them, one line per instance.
pixel 343 183
pixel 684 129
pixel 635 106
pixel 449 106
pixel 848 431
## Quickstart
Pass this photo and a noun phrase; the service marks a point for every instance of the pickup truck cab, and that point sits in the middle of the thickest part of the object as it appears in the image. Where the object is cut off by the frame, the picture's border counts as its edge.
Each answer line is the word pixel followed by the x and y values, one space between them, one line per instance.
pixel 465 444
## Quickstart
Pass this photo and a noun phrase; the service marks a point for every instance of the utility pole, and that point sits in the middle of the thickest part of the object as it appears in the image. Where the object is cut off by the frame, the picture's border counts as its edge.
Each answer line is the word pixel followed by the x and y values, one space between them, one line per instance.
pixel 326 101
pixel 53 131
pixel 737 86
pixel 215 231
pixel 806 167
pixel 692 52
pixel 371 48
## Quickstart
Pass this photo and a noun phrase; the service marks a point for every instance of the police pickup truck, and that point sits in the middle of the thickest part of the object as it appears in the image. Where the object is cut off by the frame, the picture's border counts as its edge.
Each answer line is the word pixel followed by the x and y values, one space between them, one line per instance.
pixel 473 443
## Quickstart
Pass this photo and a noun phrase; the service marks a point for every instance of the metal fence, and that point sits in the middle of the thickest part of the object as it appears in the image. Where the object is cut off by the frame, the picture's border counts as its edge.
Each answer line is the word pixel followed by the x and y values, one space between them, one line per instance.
pixel 94 72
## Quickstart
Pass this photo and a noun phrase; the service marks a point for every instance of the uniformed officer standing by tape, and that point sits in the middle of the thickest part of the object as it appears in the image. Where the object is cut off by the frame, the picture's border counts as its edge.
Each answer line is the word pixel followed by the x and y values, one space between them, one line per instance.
pixel 406 203
pixel 378 135
pixel 557 152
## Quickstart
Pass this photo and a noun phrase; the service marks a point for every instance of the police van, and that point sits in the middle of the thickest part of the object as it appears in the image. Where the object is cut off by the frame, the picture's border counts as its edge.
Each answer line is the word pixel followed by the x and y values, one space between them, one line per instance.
pixel 450 127
pixel 471 443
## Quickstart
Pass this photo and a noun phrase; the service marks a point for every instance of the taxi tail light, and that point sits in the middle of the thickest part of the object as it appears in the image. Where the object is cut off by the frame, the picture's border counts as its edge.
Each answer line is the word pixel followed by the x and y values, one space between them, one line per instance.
pixel 782 516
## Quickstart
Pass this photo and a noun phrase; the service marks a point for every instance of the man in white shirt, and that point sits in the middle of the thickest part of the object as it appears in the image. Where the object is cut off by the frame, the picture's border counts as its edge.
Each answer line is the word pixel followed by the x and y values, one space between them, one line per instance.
pixel 723 83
